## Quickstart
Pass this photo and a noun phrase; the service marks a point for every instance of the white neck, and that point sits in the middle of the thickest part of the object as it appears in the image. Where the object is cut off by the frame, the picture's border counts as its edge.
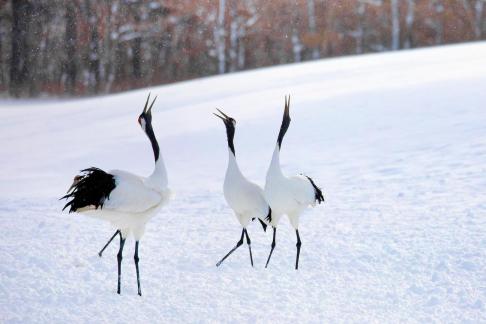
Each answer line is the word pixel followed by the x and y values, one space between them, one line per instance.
pixel 158 179
pixel 232 168
pixel 274 169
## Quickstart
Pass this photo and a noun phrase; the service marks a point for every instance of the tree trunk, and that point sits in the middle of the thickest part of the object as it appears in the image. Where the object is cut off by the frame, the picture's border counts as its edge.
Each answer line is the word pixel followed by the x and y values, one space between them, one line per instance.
pixel 137 57
pixel 296 46
pixel 137 49
pixel 234 37
pixel 220 38
pixel 478 19
pixel 70 67
pixel 438 23
pixel 409 19
pixel 311 12
pixel 359 33
pixel 93 55
pixel 395 17
pixel 22 11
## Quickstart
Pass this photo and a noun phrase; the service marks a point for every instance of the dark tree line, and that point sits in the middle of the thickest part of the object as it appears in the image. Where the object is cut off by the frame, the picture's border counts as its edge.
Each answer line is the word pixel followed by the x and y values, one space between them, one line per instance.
pixel 83 47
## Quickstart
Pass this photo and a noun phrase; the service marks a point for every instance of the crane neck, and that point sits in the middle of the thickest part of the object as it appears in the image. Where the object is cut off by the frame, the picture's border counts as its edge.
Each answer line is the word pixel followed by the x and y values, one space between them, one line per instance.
pixel 158 178
pixel 230 135
pixel 232 164
pixel 274 168
pixel 155 145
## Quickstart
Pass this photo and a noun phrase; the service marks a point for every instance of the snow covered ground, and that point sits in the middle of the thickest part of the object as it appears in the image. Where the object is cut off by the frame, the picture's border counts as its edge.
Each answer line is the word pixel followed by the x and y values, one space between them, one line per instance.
pixel 397 141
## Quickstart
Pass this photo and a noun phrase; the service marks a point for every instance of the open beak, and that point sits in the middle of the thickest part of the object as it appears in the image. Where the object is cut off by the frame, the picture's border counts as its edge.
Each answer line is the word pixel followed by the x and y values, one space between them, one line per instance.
pixel 146 103
pixel 149 110
pixel 224 117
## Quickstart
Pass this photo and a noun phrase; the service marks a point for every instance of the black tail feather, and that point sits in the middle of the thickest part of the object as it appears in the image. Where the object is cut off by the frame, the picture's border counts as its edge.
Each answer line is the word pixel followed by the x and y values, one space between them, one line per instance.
pixel 269 216
pixel 264 226
pixel 318 192
pixel 91 188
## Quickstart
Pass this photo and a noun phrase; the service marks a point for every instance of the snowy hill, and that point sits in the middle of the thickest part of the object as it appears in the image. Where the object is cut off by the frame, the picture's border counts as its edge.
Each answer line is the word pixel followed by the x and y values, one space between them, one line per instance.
pixel 397 141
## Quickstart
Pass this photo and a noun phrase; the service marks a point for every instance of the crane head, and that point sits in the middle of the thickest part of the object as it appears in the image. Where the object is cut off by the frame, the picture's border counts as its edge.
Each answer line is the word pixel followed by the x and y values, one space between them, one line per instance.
pixel 145 118
pixel 229 122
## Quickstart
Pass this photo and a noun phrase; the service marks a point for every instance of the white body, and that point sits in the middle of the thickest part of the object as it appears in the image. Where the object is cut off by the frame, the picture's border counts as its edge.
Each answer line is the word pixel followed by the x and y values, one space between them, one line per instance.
pixel 244 197
pixel 134 200
pixel 287 195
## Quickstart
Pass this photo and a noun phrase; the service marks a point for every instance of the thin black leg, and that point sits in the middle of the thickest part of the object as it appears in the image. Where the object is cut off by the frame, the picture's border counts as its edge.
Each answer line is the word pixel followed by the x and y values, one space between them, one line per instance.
pixel 299 243
pixel 240 242
pixel 249 245
pixel 135 257
pixel 106 245
pixel 273 246
pixel 119 257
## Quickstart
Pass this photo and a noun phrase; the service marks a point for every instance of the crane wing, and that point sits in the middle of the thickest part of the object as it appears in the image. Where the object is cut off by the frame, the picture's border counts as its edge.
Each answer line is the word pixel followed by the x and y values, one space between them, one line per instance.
pixel 131 195
pixel 246 198
pixel 302 190
pixel 253 200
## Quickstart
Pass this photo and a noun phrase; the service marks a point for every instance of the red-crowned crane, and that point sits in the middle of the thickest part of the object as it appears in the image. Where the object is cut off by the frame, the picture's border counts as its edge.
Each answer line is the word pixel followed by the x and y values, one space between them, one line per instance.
pixel 288 195
pixel 126 200
pixel 244 197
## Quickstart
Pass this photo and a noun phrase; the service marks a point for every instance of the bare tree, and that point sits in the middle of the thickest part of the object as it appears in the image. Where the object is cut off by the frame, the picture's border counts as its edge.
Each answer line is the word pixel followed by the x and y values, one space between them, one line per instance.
pixel 479 21
pixel 234 36
pixel 70 41
pixel 220 37
pixel 395 29
pixel 436 22
pixel 20 68
pixel 409 20
pixel 311 13
pixel 474 9
pixel 93 64
pixel 89 46
pixel 359 33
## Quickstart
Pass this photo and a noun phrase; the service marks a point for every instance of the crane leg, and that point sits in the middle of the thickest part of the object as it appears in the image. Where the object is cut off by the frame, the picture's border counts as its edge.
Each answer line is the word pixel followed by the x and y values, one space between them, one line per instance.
pixel 273 246
pixel 249 245
pixel 299 243
pixel 108 243
pixel 119 257
pixel 135 257
pixel 240 242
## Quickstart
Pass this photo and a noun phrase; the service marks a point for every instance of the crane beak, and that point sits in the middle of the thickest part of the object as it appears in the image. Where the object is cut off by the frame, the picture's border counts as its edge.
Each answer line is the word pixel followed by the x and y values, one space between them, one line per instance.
pixel 146 103
pixel 224 117
pixel 149 110
pixel 222 113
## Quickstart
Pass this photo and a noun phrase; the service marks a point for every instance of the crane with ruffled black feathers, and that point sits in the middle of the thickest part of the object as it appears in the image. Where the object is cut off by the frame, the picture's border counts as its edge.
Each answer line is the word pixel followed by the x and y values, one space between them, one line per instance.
pixel 126 200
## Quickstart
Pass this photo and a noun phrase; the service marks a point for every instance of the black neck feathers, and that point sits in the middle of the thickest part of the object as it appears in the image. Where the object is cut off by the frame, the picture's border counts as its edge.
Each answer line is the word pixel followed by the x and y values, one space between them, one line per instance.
pixel 155 145
pixel 285 123
pixel 229 123
pixel 230 133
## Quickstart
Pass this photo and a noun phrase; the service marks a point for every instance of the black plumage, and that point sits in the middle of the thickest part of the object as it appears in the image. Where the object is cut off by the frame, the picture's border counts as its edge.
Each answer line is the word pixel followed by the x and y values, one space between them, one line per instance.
pixel 269 216
pixel 285 123
pixel 318 192
pixel 91 188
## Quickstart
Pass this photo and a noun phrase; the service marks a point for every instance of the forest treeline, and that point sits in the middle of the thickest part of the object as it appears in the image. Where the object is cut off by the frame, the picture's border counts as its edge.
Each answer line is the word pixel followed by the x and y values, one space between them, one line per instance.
pixel 86 47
